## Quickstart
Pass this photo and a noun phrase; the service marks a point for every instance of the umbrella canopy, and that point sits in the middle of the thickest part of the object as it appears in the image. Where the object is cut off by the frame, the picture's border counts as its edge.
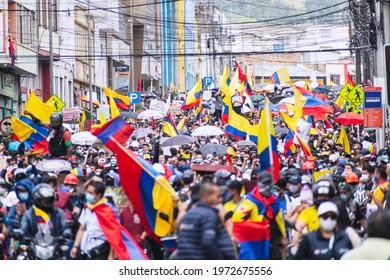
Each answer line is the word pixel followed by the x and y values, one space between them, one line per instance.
pixel 129 114
pixel 213 148
pixel 281 130
pixel 261 105
pixel 83 138
pixel 246 143
pixel 276 99
pixel 257 97
pixel 283 108
pixel 54 165
pixel 178 140
pixel 288 100
pixel 350 119
pixel 322 89
pixel 85 98
pixel 142 132
pixel 148 114
pixel 206 131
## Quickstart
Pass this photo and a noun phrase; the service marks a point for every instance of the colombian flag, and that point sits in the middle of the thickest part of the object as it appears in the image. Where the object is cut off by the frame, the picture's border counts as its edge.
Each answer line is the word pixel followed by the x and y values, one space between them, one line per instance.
pixel 121 101
pixel 289 147
pixel 42 216
pixel 124 246
pixel 267 143
pixel 149 192
pixel 116 129
pixel 280 76
pixel 170 127
pixel 309 103
pixel 249 82
pixel 193 97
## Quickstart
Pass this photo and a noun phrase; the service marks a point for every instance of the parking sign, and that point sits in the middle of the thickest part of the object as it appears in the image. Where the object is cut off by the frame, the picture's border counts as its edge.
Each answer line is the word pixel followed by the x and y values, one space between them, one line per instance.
pixel 135 97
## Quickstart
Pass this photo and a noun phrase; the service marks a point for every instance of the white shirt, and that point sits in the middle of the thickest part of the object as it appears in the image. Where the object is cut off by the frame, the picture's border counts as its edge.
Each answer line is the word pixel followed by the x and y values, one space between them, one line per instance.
pixel 93 235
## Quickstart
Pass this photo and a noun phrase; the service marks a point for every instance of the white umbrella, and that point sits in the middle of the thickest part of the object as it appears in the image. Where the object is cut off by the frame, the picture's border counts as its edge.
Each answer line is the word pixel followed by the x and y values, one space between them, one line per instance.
pixel 148 114
pixel 83 138
pixel 206 131
pixel 287 100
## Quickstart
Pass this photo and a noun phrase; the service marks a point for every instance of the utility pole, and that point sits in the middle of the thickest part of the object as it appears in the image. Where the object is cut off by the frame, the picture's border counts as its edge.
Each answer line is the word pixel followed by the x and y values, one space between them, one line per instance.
pixel 131 70
pixel 50 10
pixel 89 59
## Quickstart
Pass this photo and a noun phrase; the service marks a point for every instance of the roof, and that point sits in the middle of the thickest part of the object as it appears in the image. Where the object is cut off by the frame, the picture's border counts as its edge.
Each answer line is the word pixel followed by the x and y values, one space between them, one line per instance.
pixel 293 71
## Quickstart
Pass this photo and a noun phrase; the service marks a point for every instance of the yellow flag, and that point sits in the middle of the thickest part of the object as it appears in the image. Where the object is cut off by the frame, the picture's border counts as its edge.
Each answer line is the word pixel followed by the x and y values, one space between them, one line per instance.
pixel 344 141
pixel 21 129
pixel 181 123
pixel 113 108
pixel 102 118
pixel 39 109
pixel 340 101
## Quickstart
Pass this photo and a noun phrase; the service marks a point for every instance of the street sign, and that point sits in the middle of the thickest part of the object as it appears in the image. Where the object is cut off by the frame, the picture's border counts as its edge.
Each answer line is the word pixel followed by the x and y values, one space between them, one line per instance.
pixel 5 125
pixel 346 90
pixel 356 96
pixel 58 103
pixel 350 108
pixel 373 118
pixel 372 97
pixel 207 81
pixel 358 111
pixel 135 97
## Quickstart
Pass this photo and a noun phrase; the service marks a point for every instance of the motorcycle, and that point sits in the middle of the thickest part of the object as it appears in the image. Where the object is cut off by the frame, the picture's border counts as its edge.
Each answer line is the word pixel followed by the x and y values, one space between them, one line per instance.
pixel 42 246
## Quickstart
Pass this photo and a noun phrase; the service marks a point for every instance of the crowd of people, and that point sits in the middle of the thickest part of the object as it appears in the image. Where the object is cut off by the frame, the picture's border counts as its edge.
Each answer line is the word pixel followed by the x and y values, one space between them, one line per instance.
pixel 329 206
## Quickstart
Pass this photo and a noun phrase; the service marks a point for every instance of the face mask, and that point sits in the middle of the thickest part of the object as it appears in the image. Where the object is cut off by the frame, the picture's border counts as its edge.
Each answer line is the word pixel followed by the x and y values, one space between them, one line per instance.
pixel 23 196
pixel 98 173
pixel 344 197
pixel 328 224
pixel 216 162
pixel 388 180
pixel 113 162
pixel 364 177
pixel 79 151
pixel 147 141
pixel 198 160
pixel 89 198
pixel 202 142
pixel 266 192
pixel 293 188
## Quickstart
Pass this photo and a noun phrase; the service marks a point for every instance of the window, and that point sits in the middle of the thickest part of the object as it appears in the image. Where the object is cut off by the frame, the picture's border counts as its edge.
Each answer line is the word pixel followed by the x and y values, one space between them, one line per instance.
pixel 335 79
pixel 25 25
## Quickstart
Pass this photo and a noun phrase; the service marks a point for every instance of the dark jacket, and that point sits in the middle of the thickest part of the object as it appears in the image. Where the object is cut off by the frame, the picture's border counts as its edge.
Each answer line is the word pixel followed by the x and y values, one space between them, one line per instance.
pixel 29 223
pixel 316 247
pixel 57 146
pixel 199 233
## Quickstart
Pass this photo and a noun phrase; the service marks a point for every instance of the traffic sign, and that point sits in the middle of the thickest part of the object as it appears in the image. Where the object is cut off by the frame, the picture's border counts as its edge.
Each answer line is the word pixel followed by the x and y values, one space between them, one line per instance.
pixel 346 90
pixel 57 102
pixel 356 96
pixel 358 111
pixel 372 97
pixel 350 108
pixel 207 81
pixel 135 97
pixel 5 125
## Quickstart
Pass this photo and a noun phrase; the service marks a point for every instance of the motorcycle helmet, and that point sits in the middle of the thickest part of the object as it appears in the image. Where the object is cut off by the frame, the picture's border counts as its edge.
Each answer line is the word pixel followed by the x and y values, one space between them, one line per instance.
pixel 44 197
pixel 19 174
pixel 56 120
pixel 351 177
pixel 324 186
pixel 222 179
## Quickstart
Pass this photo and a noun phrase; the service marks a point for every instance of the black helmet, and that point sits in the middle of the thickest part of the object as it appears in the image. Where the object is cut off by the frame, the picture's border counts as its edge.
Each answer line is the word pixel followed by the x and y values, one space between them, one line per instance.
pixel 44 197
pixel 324 186
pixel 56 120
pixel 222 178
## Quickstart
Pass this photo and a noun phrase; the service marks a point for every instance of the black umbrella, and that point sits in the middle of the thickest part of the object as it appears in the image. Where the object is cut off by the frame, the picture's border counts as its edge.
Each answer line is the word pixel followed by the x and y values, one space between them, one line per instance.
pixel 129 114
pixel 276 99
pixel 178 140
pixel 213 148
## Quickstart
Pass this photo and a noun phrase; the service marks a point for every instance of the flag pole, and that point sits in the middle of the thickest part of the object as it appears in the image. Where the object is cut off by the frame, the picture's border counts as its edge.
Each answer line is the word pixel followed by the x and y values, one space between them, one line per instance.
pixel 136 161
pixel 267 114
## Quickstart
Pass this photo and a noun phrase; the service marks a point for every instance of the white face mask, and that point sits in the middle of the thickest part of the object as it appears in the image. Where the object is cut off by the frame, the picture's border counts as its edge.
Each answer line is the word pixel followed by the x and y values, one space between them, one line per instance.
pixel 364 177
pixel 293 188
pixel 328 224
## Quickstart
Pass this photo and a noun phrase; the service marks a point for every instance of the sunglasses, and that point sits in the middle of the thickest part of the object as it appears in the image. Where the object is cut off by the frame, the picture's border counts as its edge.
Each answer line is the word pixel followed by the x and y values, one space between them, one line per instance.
pixel 329 216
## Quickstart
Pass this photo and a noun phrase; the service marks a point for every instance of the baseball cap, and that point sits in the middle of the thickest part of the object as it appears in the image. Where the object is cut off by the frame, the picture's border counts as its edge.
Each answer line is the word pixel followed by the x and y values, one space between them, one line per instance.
pixel 327 206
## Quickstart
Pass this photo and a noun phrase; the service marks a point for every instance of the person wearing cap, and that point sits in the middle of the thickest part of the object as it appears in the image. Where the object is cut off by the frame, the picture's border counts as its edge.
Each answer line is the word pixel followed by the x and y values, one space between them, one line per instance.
pixel 326 243
pixel 293 191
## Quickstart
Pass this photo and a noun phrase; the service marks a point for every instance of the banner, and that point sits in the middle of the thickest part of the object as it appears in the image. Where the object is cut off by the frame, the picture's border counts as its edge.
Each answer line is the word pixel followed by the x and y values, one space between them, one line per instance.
pixel 159 106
